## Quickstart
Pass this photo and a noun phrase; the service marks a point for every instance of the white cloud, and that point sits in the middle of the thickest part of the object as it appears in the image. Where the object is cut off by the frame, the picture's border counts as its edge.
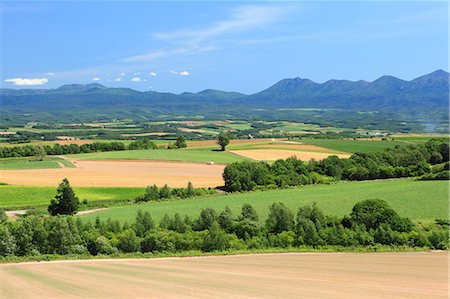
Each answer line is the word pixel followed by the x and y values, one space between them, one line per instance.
pixel 51 74
pixel 96 79
pixel 122 74
pixel 136 74
pixel 182 73
pixel 153 74
pixel 137 79
pixel 118 79
pixel 24 81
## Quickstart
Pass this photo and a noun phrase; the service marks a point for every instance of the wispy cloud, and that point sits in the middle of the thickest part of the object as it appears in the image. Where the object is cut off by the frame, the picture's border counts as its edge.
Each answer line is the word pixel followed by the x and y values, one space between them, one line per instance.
pixel 153 74
pixel 24 81
pixel 51 74
pixel 241 19
pixel 118 79
pixel 96 79
pixel 154 55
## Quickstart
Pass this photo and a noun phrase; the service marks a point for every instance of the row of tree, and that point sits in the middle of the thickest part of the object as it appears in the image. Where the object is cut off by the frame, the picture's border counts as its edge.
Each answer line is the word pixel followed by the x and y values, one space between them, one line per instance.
pixel 396 162
pixel 371 222
pixel 154 193
pixel 67 203
pixel 58 149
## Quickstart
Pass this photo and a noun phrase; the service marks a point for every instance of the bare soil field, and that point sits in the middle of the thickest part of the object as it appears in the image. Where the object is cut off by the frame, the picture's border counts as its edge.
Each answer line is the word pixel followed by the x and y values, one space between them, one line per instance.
pixel 294 275
pixel 120 173
pixel 146 134
pixel 188 130
pixel 73 141
pixel 273 154
pixel 299 147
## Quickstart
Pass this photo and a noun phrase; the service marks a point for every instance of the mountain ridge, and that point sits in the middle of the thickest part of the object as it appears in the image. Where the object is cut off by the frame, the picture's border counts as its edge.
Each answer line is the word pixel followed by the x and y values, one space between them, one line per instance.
pixel 428 93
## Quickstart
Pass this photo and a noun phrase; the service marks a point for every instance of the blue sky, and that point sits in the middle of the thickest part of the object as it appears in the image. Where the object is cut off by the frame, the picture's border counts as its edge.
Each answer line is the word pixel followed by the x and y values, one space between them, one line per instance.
pixel 235 46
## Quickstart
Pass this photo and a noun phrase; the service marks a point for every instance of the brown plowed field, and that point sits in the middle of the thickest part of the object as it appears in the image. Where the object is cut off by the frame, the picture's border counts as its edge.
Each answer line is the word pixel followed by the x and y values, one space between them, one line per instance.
pixel 296 275
pixel 273 154
pixel 120 174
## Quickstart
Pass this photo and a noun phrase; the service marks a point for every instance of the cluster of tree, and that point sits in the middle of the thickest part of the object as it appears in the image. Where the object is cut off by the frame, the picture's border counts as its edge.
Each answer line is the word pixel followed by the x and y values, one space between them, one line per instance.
pixel 396 162
pixel 399 161
pixel 58 149
pixel 154 193
pixel 249 175
pixel 179 143
pixel 371 222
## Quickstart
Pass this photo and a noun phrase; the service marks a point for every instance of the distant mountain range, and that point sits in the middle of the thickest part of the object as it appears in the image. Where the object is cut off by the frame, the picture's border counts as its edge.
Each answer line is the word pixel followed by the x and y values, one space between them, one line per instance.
pixel 428 93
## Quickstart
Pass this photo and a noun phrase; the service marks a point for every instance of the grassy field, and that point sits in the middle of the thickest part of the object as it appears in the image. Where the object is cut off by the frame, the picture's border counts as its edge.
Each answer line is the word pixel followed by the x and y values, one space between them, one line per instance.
pixel 18 197
pixel 33 163
pixel 418 139
pixel 184 155
pixel 353 146
pixel 419 200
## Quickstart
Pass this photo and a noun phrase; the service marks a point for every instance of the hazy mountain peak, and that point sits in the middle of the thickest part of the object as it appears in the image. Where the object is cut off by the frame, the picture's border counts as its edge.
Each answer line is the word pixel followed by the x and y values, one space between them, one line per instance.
pixel 81 86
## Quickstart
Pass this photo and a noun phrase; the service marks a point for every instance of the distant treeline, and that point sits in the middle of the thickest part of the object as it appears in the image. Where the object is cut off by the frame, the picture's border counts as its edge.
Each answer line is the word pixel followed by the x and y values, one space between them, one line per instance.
pixel 58 149
pixel 399 161
pixel 371 222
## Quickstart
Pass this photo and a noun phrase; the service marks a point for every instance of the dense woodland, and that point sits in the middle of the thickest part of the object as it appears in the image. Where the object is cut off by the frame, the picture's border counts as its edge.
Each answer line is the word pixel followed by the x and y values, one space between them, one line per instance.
pixel 430 160
pixel 371 223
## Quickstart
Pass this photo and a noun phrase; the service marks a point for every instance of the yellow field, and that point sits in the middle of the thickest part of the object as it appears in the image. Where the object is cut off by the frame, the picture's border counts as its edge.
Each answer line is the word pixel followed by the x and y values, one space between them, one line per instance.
pixel 115 173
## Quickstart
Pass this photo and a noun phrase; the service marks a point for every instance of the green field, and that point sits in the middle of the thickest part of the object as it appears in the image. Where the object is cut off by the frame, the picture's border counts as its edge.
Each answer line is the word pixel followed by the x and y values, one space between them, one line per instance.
pixel 33 163
pixel 353 146
pixel 19 197
pixel 185 155
pixel 418 200
pixel 418 139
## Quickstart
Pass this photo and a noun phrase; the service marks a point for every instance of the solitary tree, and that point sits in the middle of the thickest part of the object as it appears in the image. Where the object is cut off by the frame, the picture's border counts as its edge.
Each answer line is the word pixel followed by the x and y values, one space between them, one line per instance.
pixel 190 190
pixel 181 142
pixel 65 201
pixel 223 141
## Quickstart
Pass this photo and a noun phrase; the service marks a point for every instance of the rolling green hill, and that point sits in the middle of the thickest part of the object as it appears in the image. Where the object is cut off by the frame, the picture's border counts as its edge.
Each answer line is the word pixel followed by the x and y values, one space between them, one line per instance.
pixel 418 200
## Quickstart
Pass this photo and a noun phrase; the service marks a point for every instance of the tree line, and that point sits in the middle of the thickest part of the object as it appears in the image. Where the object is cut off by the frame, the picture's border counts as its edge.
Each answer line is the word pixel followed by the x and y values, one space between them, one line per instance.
pixel 371 223
pixel 431 157
pixel 58 149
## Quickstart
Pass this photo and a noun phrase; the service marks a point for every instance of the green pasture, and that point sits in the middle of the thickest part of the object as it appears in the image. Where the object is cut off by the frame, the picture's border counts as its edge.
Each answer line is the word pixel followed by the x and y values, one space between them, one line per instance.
pixel 353 146
pixel 33 163
pixel 418 200
pixel 184 155
pixel 19 197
